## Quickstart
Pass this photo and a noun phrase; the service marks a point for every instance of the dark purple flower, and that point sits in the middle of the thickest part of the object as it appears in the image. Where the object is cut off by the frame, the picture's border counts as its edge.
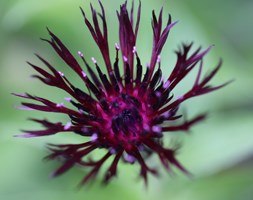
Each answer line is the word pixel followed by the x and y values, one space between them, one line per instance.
pixel 125 113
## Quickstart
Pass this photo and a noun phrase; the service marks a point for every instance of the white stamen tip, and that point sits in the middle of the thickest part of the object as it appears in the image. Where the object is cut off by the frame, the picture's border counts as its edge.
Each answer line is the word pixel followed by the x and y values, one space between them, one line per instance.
pixel 61 74
pixel 84 129
pixel 94 60
pixel 129 158
pixel 94 137
pixel 68 99
pixel 147 65
pixel 80 53
pixel 125 58
pixel 158 59
pixel 141 148
pixel 180 97
pixel 58 105
pixel 67 126
pixel 146 127
pixel 134 49
pixel 167 114
pixel 84 74
pixel 117 46
pixel 112 151
pixel 166 84
pixel 162 78
pixel 156 129
pixel 81 111
pixel 158 94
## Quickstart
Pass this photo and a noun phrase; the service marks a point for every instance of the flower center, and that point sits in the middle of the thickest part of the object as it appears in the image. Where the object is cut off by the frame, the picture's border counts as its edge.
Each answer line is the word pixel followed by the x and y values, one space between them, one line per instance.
pixel 127 121
pixel 125 115
pixel 124 119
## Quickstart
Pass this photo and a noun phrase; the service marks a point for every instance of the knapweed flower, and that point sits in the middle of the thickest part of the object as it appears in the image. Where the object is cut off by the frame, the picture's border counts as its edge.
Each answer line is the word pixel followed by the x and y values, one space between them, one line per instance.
pixel 127 110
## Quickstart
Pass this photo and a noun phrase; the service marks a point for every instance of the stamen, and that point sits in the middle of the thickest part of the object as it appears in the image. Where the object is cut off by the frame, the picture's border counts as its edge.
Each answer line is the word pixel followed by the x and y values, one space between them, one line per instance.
pixel 80 54
pixel 141 148
pixel 94 60
pixel 117 46
pixel 134 49
pixel 180 97
pixel 129 158
pixel 166 84
pixel 68 99
pixel 67 126
pixel 61 74
pixel 81 111
pixel 162 78
pixel 58 105
pixel 94 137
pixel 146 127
pixel 125 59
pixel 156 129
pixel 112 150
pixel 84 74
pixel 158 59
pixel 158 94
pixel 84 129
pixel 167 115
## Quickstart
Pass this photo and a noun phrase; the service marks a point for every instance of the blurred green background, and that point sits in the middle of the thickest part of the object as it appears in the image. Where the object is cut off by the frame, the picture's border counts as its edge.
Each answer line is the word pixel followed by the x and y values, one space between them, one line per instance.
pixel 219 151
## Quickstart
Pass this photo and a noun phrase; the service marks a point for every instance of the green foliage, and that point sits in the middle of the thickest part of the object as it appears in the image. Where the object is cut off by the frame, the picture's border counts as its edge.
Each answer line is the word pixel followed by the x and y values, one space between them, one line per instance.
pixel 217 152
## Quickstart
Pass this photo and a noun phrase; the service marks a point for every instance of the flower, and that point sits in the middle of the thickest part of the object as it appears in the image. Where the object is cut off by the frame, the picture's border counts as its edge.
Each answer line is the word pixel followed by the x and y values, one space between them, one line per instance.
pixel 124 113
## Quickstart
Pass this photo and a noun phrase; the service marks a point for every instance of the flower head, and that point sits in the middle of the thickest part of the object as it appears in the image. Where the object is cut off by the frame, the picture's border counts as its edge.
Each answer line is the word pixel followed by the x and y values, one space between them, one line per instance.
pixel 125 112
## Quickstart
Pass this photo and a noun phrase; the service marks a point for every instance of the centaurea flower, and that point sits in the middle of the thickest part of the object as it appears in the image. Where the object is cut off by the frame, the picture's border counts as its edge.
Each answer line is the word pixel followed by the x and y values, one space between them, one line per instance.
pixel 125 113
